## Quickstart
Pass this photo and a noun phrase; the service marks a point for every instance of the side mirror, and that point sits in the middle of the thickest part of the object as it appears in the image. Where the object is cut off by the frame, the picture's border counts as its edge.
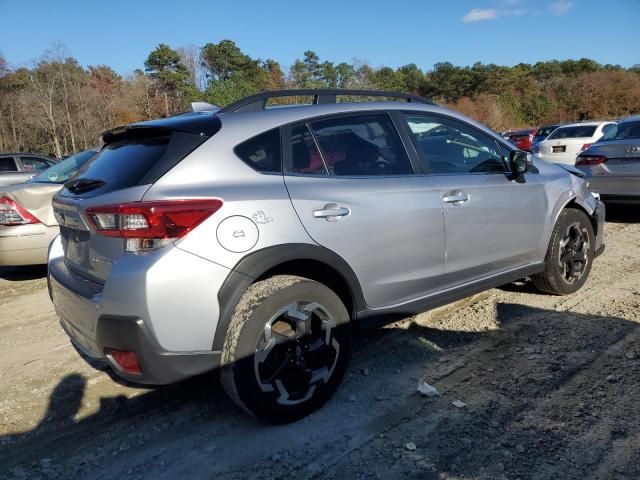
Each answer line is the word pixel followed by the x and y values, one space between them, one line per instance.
pixel 520 162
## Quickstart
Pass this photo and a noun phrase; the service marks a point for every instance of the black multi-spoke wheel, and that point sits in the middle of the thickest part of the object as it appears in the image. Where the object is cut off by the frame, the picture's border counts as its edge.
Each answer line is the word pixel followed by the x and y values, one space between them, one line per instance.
pixel 573 255
pixel 570 254
pixel 286 349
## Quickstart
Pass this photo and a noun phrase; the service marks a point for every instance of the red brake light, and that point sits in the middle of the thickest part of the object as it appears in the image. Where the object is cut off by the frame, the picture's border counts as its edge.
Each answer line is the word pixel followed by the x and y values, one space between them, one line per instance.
pixel 165 219
pixel 585 146
pixel 590 160
pixel 12 213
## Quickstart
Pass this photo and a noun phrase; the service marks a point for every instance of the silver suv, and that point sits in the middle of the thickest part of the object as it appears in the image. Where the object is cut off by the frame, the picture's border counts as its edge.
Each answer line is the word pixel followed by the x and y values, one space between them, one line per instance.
pixel 253 238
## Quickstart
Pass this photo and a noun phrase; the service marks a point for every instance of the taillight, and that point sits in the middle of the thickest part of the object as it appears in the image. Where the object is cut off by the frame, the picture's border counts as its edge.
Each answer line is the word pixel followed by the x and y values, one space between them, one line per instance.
pixel 12 213
pixel 585 146
pixel 590 160
pixel 149 225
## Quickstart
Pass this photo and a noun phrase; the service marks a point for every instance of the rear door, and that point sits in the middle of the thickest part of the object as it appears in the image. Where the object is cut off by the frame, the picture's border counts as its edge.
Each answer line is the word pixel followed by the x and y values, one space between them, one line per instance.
pixel 353 186
pixel 492 222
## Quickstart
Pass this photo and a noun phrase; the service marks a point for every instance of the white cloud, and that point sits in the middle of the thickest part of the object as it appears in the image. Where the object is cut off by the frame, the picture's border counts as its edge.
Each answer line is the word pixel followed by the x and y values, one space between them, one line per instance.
pixel 560 7
pixel 479 14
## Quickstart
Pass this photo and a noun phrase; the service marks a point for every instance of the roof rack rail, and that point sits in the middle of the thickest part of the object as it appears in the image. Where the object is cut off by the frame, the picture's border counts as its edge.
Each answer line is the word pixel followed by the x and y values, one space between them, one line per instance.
pixel 258 102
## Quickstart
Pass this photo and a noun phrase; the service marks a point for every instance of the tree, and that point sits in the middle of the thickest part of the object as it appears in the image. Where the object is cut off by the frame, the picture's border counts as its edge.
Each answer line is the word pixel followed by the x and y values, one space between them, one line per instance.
pixel 170 74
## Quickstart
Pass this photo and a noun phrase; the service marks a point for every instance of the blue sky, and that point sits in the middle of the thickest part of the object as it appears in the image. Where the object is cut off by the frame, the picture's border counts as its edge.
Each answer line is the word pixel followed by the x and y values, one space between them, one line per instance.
pixel 122 33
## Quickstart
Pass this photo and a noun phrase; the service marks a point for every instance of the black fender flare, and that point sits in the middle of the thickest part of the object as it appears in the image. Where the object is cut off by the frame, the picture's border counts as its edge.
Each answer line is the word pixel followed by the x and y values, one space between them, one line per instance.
pixel 256 264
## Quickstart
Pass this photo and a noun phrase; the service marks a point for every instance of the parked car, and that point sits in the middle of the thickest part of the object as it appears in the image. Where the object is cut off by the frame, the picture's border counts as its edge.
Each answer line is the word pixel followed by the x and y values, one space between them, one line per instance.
pixel 253 238
pixel 542 133
pixel 612 165
pixel 565 143
pixel 20 167
pixel 522 139
pixel 27 223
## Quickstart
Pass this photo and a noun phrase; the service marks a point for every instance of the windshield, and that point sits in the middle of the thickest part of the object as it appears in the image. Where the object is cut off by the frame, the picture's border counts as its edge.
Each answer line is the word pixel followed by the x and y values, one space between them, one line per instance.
pixel 63 171
pixel 577 131
pixel 623 131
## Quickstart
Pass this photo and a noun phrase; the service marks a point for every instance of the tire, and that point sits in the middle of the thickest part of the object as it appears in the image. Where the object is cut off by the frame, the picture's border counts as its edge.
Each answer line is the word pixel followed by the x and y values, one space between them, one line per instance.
pixel 286 349
pixel 572 239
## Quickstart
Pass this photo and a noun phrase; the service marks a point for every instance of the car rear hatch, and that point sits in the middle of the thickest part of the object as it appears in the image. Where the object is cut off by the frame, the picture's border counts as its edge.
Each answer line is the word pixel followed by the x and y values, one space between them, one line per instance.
pixel 132 159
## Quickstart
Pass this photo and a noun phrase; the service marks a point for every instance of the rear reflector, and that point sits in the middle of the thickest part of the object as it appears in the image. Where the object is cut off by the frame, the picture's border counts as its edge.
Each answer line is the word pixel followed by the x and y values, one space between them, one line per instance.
pixel 590 160
pixel 125 361
pixel 12 213
pixel 167 219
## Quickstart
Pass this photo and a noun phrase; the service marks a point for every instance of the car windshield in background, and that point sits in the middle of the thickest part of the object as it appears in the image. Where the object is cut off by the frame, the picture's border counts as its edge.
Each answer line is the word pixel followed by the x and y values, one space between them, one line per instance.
pixel 64 170
pixel 623 131
pixel 545 131
pixel 578 131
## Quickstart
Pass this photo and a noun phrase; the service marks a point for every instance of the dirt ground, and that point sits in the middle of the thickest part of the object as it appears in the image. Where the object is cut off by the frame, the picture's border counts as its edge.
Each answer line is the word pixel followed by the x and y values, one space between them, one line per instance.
pixel 551 387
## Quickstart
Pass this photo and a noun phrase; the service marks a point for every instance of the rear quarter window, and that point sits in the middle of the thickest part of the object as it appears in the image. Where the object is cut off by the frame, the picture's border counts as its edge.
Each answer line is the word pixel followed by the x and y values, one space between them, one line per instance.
pixel 8 164
pixel 262 152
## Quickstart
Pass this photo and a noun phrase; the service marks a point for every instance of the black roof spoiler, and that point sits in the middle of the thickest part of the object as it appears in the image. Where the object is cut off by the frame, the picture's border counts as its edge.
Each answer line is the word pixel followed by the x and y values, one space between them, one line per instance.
pixel 203 123
pixel 258 102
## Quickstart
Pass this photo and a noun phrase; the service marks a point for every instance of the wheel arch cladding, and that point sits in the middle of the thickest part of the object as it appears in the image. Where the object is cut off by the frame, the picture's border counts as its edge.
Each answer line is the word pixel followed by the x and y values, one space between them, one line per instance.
pixel 577 205
pixel 305 260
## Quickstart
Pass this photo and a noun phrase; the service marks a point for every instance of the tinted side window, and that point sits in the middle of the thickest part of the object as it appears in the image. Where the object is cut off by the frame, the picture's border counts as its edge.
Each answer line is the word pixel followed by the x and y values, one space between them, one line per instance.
pixel 304 156
pixel 8 164
pixel 32 164
pixel 262 152
pixel 362 145
pixel 450 147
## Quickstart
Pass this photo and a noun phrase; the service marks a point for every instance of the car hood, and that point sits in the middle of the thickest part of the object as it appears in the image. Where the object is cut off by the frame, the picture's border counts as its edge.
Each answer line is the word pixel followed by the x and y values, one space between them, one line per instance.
pixel 616 149
pixel 35 198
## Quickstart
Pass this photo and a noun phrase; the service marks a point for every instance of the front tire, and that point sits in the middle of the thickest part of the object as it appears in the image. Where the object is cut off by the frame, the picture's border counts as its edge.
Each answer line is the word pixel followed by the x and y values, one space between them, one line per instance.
pixel 569 256
pixel 286 349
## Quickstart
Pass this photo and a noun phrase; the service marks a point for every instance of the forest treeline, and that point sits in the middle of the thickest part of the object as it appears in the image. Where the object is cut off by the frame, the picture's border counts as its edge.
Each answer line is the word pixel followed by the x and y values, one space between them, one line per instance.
pixel 57 107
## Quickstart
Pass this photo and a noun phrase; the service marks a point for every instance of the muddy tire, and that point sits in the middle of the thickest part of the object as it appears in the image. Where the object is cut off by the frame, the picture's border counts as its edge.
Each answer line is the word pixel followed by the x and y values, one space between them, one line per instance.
pixel 569 256
pixel 286 349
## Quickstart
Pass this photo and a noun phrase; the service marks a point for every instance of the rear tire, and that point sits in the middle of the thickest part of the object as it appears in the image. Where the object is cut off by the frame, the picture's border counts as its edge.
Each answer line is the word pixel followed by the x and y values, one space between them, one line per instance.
pixel 569 256
pixel 286 349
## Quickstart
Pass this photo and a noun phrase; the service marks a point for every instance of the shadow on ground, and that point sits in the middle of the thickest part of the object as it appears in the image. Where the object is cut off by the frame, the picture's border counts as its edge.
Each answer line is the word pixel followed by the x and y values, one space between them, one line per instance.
pixel 619 213
pixel 551 395
pixel 20 274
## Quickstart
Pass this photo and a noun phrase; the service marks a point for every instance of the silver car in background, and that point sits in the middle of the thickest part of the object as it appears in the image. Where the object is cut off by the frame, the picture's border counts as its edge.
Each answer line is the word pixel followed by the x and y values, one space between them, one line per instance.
pixel 612 165
pixel 252 238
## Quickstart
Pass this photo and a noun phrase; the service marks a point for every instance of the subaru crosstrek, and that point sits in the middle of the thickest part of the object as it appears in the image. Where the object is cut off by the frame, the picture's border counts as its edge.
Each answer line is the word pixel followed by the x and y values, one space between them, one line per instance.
pixel 252 238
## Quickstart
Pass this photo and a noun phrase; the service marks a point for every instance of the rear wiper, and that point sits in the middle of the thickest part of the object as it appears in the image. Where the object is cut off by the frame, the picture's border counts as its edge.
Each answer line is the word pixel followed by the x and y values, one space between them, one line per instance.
pixel 83 185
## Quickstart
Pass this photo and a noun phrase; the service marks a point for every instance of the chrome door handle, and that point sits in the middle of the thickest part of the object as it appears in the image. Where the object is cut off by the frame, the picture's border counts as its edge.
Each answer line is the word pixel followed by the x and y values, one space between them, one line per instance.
pixel 331 211
pixel 457 198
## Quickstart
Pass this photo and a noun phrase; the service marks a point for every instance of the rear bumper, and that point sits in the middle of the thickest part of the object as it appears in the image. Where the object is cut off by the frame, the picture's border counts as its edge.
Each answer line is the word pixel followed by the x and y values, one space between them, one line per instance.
pixel 92 315
pixel 25 244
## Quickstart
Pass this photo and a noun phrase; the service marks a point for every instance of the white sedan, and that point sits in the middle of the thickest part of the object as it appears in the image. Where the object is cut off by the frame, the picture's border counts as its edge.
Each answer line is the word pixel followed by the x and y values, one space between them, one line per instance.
pixel 566 142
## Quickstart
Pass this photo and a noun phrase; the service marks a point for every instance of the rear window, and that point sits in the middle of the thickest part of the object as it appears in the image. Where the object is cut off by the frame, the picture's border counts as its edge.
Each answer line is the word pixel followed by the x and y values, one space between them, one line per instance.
pixel 133 161
pixel 545 131
pixel 579 131
pixel 623 131
pixel 8 164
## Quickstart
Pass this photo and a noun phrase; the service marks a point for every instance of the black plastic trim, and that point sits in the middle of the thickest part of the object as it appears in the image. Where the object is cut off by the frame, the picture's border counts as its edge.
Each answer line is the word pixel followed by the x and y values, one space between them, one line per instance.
pixel 258 102
pixel 390 314
pixel 256 264
pixel 159 367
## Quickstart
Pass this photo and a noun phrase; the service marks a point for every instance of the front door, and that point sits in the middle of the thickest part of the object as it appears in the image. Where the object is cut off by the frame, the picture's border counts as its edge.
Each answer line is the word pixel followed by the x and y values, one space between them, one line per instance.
pixel 493 223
